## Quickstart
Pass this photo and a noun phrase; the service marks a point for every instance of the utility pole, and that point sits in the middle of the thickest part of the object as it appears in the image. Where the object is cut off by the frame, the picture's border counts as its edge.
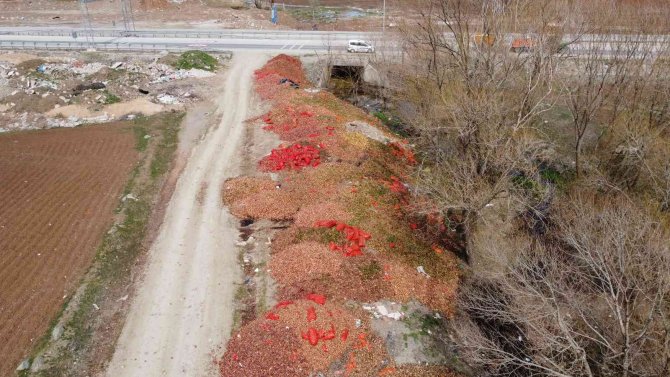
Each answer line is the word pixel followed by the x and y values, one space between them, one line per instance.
pixel 123 15
pixel 127 12
pixel 383 18
pixel 83 6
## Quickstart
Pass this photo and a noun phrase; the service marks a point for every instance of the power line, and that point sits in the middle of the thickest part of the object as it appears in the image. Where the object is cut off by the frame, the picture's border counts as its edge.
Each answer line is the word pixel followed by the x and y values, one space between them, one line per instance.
pixel 83 6
pixel 127 13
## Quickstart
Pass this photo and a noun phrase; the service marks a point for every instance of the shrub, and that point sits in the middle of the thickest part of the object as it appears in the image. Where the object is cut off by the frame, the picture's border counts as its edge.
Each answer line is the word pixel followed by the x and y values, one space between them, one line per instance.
pixel 111 98
pixel 196 59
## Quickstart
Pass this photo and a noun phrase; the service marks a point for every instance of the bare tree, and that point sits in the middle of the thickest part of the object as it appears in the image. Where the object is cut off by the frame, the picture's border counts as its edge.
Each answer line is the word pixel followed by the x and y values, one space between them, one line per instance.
pixel 590 296
pixel 475 102
pixel 613 81
pixel 594 302
pixel 640 121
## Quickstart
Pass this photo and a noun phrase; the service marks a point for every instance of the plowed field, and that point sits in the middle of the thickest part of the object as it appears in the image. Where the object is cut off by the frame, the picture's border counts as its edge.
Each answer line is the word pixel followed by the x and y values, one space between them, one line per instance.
pixel 58 190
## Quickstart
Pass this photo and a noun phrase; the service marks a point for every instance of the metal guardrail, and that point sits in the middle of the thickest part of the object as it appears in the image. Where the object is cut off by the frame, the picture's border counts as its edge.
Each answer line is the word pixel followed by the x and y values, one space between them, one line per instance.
pixel 284 34
pixel 140 46
pixel 185 33
pixel 585 43
pixel 40 45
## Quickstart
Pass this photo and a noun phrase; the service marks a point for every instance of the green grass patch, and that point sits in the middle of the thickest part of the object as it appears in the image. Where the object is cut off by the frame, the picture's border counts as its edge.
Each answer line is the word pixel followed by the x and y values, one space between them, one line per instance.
pixel 198 60
pixel 422 323
pixel 388 226
pixel 555 177
pixel 43 341
pixel 166 147
pixel 371 270
pixel 525 183
pixel 393 123
pixel 322 235
pixel 111 98
pixel 141 137
pixel 378 191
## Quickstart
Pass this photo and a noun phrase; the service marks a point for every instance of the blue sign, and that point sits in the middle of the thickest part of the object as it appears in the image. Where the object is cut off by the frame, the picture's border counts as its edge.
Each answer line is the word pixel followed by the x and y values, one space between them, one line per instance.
pixel 274 14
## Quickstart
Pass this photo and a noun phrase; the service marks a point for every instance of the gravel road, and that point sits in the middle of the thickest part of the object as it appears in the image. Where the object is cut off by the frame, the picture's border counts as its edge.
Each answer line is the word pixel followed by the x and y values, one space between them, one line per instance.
pixel 183 310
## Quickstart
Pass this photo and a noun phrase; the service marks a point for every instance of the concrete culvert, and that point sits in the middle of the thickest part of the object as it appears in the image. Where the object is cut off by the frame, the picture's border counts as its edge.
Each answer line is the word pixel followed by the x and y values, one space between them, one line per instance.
pixel 347 72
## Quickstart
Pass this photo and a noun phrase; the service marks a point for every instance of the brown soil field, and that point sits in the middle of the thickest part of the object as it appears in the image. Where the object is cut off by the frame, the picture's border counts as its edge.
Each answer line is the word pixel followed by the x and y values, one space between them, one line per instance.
pixel 58 191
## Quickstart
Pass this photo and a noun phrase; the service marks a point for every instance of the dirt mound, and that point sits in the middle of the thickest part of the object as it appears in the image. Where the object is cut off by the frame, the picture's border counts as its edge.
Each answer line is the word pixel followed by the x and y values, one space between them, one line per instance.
pixel 350 239
pixel 408 283
pixel 28 66
pixel 304 261
pixel 17 57
pixel 24 102
pixel 310 214
pixel 116 110
pixel 298 337
pixel 271 204
pixel 154 4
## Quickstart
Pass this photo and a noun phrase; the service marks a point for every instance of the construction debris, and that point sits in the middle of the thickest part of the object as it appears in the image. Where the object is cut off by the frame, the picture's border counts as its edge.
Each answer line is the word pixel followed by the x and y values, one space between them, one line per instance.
pixel 31 90
pixel 385 309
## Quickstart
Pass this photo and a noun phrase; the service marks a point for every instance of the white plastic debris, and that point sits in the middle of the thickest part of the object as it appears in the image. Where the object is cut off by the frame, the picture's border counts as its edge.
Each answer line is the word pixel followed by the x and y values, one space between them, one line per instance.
pixel 167 99
pixel 422 271
pixel 385 309
pixel 395 315
pixel 129 196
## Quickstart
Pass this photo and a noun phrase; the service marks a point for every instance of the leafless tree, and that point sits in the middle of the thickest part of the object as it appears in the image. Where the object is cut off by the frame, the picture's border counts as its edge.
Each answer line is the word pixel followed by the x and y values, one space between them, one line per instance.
pixel 608 72
pixel 474 101
pixel 593 302
pixel 590 297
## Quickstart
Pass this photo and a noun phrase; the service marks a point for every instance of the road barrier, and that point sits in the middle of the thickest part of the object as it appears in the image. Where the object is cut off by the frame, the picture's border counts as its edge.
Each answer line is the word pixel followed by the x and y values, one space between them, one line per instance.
pixel 190 33
pixel 40 45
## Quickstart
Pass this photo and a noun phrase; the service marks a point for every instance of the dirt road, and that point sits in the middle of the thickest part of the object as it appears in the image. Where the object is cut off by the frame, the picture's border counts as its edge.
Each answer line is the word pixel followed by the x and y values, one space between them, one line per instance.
pixel 183 309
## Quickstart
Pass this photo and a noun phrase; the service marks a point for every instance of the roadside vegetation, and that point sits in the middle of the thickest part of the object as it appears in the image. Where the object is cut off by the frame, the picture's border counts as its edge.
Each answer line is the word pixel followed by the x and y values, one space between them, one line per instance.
pixel 90 321
pixel 196 59
pixel 110 98
pixel 552 166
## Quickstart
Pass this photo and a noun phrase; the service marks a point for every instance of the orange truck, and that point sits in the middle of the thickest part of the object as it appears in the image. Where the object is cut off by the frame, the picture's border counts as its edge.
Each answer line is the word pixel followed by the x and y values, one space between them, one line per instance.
pixel 484 40
pixel 524 44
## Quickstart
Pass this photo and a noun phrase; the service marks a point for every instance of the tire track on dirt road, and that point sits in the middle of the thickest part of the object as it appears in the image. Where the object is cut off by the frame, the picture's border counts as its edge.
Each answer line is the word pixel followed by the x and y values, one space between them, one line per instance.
pixel 183 308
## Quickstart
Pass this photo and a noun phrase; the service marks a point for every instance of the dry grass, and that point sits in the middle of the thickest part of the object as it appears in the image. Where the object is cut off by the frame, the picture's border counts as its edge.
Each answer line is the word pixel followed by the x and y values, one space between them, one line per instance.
pixel 311 213
pixel 271 204
pixel 303 261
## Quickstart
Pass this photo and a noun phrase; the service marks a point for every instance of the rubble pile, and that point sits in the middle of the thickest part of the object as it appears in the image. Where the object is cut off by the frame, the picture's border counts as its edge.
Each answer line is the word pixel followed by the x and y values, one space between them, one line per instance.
pixel 71 92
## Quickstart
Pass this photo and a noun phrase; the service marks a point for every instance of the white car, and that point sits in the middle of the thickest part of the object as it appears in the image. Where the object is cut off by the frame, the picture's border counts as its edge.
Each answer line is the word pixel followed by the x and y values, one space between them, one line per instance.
pixel 360 46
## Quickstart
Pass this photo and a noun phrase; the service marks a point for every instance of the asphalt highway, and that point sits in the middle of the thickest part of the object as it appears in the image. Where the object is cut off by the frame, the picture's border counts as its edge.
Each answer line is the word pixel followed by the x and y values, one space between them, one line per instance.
pixel 209 40
pixel 297 42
